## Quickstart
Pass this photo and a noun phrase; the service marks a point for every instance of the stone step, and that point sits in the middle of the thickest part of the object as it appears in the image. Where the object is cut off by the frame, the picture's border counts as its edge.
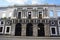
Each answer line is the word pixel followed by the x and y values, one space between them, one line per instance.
pixel 29 37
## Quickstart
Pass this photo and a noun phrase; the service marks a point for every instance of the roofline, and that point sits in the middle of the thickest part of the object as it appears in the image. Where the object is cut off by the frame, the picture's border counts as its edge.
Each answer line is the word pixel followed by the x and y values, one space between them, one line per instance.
pixel 44 5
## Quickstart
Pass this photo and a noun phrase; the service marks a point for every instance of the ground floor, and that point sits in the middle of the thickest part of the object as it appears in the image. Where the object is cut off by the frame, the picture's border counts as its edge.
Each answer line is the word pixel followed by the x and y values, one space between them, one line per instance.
pixel 29 29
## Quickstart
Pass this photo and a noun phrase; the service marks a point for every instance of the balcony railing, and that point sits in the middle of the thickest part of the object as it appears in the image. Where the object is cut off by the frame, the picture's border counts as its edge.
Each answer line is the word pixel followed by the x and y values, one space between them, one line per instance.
pixel 34 21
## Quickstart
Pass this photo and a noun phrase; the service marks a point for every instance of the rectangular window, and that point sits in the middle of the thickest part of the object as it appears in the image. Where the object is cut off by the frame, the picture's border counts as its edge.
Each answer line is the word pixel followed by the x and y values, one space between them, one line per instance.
pixel 29 15
pixel 40 15
pixel 53 30
pixel 1 29
pixel 19 15
pixel 51 14
pixel 7 29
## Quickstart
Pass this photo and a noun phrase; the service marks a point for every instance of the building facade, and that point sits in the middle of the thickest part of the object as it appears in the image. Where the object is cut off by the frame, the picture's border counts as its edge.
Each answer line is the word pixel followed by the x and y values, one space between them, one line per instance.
pixel 30 20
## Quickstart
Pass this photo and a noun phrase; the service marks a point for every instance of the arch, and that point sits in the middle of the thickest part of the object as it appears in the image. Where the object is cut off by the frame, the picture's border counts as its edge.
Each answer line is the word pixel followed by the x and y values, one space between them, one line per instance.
pixel 18 29
pixel 29 24
pixel 29 29
pixel 40 25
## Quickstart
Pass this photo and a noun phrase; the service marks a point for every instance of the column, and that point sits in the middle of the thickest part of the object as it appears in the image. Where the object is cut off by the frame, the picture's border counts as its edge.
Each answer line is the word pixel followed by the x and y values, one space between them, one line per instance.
pixel 23 30
pixel 13 27
pixel 47 33
pixel 35 30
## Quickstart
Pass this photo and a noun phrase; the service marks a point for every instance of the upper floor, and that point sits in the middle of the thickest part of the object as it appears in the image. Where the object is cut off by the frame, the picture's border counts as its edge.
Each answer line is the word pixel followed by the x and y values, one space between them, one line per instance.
pixel 30 11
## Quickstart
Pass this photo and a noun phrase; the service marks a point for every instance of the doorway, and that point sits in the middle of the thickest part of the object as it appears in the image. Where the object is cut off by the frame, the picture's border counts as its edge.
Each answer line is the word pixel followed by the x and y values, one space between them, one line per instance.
pixel 18 29
pixel 41 31
pixel 29 29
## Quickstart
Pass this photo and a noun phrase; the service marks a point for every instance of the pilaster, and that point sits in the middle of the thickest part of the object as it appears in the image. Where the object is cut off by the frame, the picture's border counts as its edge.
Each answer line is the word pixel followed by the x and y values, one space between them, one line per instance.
pixel 46 30
pixel 35 30
pixel 23 30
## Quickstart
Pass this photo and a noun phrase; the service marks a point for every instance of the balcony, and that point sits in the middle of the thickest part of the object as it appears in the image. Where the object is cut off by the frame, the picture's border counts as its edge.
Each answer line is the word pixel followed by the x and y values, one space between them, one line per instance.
pixel 34 21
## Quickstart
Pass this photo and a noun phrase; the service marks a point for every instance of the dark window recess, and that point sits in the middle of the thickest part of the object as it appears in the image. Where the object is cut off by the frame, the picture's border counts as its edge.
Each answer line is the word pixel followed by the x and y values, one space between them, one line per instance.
pixel 1 22
pixel 19 14
pixel 40 15
pixel 40 12
pixel 59 22
pixel 53 30
pixel 29 12
pixel 1 29
pixel 29 15
pixel 7 29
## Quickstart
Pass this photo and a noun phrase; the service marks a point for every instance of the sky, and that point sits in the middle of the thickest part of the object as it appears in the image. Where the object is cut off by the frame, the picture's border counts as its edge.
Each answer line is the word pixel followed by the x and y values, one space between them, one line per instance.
pixel 27 2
